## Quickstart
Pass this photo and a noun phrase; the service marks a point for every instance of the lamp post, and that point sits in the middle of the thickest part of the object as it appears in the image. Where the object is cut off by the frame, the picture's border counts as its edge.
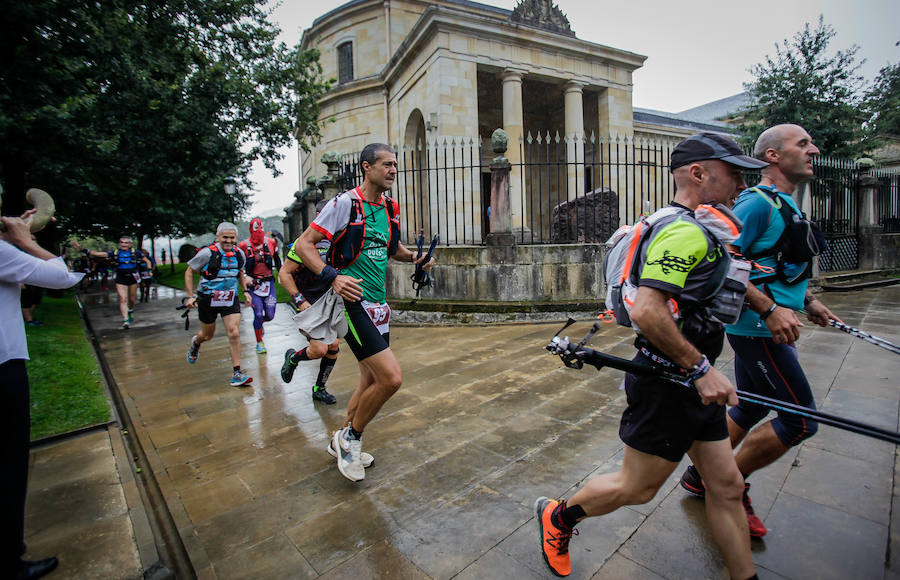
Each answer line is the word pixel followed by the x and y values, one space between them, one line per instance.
pixel 230 190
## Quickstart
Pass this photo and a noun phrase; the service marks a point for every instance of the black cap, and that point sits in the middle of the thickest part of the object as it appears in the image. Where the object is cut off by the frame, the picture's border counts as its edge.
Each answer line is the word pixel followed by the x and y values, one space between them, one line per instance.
pixel 704 146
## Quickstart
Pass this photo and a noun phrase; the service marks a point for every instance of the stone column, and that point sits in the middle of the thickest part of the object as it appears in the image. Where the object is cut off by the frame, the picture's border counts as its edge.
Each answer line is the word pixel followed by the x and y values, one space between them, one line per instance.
pixel 501 230
pixel 616 122
pixel 869 229
pixel 514 126
pixel 574 134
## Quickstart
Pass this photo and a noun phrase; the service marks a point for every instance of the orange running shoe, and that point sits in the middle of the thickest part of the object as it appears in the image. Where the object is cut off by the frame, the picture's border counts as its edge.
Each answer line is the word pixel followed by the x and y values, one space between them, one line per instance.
pixel 554 539
pixel 756 525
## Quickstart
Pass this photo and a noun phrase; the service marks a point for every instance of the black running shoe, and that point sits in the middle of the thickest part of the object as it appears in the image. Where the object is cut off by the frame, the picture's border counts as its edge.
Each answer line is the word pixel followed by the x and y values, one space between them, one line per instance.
pixel 692 483
pixel 288 368
pixel 320 394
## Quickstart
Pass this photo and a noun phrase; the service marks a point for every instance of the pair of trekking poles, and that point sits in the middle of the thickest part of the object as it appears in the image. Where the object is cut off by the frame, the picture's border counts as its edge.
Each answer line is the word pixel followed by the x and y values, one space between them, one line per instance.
pixel 577 355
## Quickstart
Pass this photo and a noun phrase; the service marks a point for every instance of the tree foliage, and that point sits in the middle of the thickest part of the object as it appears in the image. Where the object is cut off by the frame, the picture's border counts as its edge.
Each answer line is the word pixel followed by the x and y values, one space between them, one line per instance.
pixel 803 84
pixel 882 104
pixel 132 113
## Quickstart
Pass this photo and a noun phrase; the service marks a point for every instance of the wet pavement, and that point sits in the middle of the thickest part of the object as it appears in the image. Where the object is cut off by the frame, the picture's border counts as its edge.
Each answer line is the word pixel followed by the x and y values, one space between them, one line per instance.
pixel 485 422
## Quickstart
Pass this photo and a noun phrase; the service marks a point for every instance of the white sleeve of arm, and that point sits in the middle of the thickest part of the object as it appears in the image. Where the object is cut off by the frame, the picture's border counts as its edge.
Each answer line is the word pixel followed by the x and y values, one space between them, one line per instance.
pixel 17 266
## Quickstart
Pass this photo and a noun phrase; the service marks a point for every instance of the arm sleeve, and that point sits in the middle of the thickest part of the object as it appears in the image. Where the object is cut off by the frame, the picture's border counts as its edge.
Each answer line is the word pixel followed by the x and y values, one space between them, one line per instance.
pixel 334 217
pixel 200 259
pixel 754 211
pixel 673 252
pixel 19 267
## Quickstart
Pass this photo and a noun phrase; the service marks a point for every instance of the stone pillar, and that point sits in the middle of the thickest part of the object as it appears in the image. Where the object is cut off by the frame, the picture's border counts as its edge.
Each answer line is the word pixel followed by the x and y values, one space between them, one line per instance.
pixel 501 230
pixel 574 137
pixel 869 228
pixel 514 126
pixel 329 184
pixel 616 118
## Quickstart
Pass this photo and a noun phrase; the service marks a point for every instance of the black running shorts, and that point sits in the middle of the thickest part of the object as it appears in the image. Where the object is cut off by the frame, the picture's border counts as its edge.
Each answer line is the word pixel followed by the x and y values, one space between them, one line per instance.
pixel 665 419
pixel 126 278
pixel 207 314
pixel 362 336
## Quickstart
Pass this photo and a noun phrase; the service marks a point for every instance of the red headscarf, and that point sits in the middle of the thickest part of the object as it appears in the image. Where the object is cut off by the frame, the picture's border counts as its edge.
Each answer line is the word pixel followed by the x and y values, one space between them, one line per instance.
pixel 257 233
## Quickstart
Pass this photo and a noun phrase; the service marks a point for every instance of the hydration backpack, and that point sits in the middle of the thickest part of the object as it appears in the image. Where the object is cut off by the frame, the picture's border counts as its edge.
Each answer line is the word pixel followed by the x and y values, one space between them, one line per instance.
pixel 211 272
pixel 724 292
pixel 800 242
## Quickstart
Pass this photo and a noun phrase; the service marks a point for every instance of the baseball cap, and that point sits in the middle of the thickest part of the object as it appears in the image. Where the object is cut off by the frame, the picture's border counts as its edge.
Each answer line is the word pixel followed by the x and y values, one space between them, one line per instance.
pixel 704 146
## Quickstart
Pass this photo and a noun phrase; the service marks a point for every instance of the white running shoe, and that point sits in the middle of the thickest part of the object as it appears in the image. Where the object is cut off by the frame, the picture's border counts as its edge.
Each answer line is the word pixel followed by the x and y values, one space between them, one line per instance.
pixel 365 458
pixel 348 456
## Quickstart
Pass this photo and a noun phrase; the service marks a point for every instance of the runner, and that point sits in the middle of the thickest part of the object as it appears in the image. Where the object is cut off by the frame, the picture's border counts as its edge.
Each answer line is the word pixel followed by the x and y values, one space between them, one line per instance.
pixel 363 225
pixel 682 267
pixel 147 276
pixel 221 273
pixel 305 289
pixel 126 261
pixel 262 257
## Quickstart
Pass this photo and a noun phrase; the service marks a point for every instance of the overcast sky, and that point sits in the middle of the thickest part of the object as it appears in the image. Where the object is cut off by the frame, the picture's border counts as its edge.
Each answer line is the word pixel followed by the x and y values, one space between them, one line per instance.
pixel 697 50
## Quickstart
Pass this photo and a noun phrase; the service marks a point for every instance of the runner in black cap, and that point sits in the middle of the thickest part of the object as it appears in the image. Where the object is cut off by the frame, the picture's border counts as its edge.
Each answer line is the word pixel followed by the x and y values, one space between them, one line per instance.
pixel 679 258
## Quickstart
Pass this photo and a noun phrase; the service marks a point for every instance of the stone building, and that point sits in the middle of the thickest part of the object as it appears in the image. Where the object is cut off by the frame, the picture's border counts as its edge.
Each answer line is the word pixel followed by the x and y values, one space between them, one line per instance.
pixel 411 72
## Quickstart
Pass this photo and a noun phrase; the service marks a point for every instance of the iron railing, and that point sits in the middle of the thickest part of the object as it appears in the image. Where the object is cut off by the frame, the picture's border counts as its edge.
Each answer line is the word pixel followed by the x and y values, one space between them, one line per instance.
pixel 579 190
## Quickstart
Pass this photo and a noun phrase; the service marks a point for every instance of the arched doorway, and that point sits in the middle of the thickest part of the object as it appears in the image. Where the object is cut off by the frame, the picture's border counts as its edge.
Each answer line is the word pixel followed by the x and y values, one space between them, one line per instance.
pixel 416 196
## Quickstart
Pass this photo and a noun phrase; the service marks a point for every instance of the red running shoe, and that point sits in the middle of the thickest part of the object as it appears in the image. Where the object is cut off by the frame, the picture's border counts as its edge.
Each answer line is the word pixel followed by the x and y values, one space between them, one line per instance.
pixel 756 525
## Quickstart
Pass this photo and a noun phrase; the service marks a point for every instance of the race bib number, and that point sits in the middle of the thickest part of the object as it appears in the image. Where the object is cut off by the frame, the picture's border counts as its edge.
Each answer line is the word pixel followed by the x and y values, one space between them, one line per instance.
pixel 146 275
pixel 262 289
pixel 222 298
pixel 379 314
pixel 137 277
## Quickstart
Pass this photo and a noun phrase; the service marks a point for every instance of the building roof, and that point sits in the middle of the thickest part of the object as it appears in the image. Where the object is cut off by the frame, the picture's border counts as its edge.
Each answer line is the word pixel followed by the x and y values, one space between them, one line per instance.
pixel 664 119
pixel 715 111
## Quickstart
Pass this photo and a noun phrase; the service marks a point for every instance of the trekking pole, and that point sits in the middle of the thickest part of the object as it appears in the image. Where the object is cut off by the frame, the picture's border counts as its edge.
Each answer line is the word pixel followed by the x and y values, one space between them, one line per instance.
pixel 187 320
pixel 421 277
pixel 575 356
pixel 870 338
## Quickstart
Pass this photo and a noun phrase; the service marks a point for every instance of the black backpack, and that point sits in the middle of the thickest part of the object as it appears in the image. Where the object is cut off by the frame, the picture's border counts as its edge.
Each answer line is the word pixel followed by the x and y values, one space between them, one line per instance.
pixel 211 272
pixel 800 242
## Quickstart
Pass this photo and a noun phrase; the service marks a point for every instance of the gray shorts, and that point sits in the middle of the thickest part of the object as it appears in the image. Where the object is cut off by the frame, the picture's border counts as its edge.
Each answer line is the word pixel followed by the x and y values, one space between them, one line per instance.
pixel 324 320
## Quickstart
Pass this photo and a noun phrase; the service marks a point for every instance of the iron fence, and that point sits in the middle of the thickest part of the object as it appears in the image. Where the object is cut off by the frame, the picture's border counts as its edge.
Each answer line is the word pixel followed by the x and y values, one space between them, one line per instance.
pixel 886 203
pixel 579 190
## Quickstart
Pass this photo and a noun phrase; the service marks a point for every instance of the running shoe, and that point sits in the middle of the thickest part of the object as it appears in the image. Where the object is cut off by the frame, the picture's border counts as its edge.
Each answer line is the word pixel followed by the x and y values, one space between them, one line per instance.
pixel 320 394
pixel 757 527
pixel 239 379
pixel 365 458
pixel 126 324
pixel 260 348
pixel 193 351
pixel 692 483
pixel 554 539
pixel 349 462
pixel 288 368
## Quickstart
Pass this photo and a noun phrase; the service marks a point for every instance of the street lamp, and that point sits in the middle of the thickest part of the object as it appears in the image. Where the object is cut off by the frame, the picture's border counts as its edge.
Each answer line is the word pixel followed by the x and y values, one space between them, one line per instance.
pixel 230 186
pixel 230 190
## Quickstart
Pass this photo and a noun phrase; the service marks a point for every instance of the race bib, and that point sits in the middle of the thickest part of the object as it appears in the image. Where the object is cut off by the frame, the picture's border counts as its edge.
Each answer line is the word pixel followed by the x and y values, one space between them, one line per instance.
pixel 262 289
pixel 379 314
pixel 146 275
pixel 137 277
pixel 222 298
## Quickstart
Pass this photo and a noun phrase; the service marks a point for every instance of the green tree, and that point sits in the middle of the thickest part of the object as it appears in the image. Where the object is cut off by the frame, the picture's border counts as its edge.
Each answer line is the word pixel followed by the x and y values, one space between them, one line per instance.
pixel 131 113
pixel 882 104
pixel 805 85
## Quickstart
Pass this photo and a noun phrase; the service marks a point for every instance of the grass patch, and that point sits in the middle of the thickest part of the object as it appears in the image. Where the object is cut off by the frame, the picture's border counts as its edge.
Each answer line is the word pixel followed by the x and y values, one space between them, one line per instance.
pixel 66 383
pixel 176 280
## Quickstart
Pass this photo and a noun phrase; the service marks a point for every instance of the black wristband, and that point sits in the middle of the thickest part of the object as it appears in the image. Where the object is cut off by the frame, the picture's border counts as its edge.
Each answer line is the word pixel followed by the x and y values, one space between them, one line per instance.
pixel 768 312
pixel 328 274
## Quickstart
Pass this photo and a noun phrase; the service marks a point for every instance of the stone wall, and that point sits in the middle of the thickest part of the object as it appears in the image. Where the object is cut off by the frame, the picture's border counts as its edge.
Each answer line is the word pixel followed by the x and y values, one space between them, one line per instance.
pixel 508 274
pixel 878 251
